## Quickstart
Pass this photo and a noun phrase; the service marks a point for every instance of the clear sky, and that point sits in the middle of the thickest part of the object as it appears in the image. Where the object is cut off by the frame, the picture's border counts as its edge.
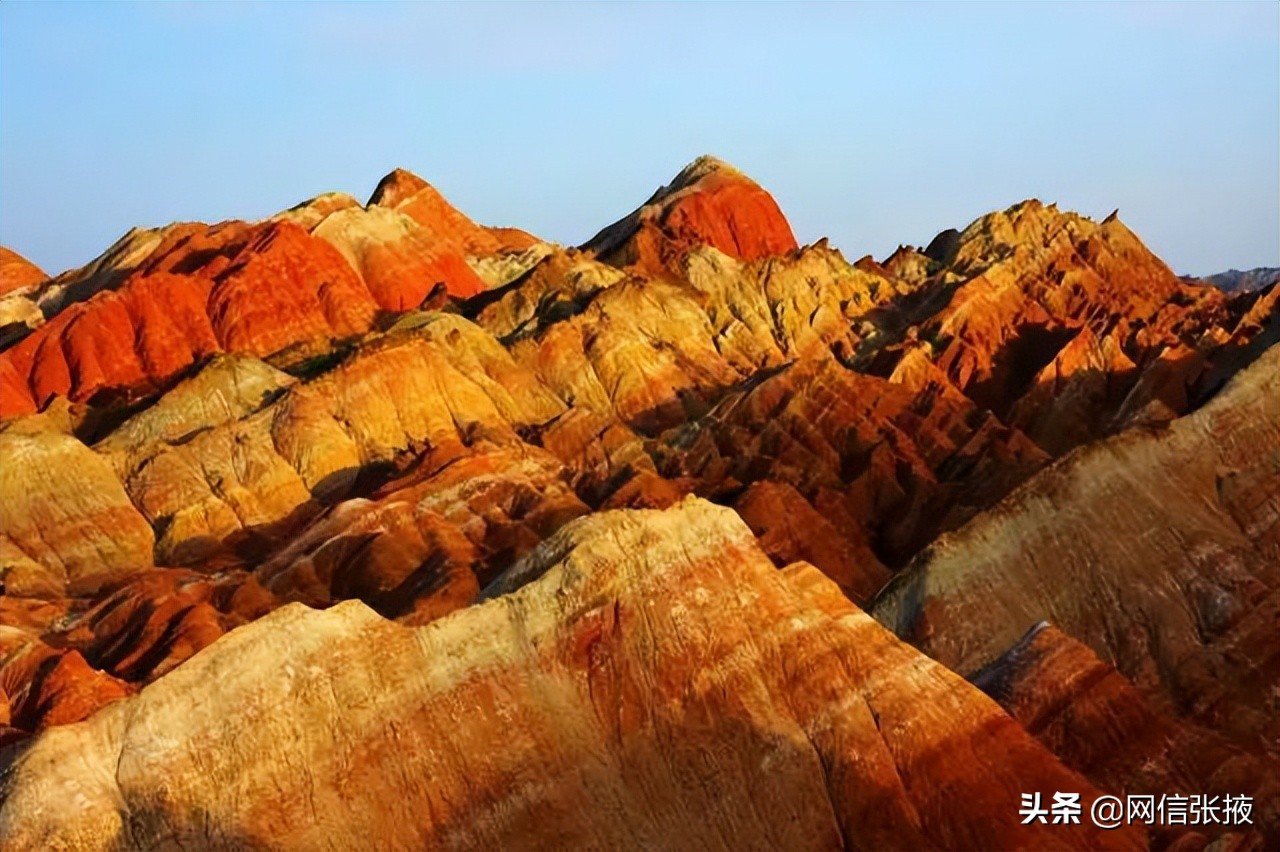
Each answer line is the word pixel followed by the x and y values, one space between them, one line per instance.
pixel 872 124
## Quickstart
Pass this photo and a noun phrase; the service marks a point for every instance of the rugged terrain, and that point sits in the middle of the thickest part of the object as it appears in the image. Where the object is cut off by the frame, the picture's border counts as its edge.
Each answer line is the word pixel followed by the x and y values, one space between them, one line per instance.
pixel 371 523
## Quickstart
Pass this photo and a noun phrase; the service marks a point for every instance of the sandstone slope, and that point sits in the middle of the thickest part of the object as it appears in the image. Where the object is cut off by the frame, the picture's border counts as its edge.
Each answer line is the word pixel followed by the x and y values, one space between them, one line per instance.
pixel 391 406
pixel 1158 549
pixel 708 203
pixel 656 678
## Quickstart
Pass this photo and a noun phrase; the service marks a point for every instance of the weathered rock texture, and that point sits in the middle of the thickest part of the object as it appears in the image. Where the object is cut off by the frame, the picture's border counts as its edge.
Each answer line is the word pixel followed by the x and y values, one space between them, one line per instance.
pixel 19 279
pixel 1158 549
pixel 658 678
pixel 378 410
pixel 1103 726
pixel 17 273
pixel 708 203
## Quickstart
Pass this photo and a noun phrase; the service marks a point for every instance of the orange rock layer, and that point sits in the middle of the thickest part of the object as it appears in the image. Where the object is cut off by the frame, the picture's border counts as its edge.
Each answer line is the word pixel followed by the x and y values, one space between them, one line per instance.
pixel 17 273
pixel 394 414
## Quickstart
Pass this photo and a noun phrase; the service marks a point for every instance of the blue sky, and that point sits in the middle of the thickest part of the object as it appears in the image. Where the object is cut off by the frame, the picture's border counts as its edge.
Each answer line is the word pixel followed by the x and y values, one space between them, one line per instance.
pixel 872 124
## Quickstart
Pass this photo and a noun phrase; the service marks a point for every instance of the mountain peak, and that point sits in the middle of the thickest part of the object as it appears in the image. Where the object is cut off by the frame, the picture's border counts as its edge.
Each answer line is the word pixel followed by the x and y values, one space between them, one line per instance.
pixel 709 202
pixel 395 187
pixel 404 191
pixel 703 167
pixel 16 272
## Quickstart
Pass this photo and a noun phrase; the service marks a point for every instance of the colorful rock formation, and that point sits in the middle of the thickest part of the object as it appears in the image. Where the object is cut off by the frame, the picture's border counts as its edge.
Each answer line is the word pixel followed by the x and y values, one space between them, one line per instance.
pixel 370 525
pixel 17 273
pixel 709 203
pixel 1157 550
pixel 648 676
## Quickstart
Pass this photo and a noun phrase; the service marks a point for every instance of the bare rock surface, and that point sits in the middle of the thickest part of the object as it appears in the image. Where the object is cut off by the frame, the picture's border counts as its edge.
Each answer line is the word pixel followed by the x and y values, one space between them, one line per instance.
pixel 369 524
pixel 629 692
pixel 1159 550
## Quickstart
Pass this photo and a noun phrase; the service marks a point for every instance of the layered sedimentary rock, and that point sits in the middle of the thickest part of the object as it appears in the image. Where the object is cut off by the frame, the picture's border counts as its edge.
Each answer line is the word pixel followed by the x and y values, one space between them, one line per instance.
pixel 471 257
pixel 890 468
pixel 45 686
pixel 66 524
pixel 310 213
pixel 1123 740
pixel 651 676
pixel 17 273
pixel 251 289
pixel 708 203
pixel 392 406
pixel 445 224
pixel 106 271
pixel 19 312
pixel 1051 320
pixel 557 286
pixel 1159 550
pixel 160 300
pixel 400 263
pixel 658 352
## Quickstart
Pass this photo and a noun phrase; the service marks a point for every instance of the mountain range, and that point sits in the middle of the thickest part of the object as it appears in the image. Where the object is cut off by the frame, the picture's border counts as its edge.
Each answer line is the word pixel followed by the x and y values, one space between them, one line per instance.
pixel 369 526
pixel 1237 281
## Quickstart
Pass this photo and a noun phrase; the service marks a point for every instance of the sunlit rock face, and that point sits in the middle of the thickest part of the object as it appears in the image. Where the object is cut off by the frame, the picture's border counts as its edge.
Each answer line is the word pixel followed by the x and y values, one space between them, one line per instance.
pixel 371 525
pixel 709 203
pixel 1158 551
pixel 646 675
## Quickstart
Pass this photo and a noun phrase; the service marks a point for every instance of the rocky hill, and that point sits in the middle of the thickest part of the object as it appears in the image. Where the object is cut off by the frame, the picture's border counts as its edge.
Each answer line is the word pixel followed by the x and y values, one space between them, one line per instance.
pixel 369 524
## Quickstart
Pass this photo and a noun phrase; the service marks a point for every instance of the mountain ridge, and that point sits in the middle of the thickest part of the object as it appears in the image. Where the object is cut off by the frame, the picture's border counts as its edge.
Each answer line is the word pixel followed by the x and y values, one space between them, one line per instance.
pixel 390 423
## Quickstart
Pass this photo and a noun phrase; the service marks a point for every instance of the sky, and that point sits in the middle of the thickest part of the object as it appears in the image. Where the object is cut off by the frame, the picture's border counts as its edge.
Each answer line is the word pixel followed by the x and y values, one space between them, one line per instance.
pixel 871 124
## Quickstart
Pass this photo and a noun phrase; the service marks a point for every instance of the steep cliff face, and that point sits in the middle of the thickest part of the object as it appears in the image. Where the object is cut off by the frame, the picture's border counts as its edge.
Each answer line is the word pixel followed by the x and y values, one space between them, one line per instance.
pixel 629 689
pixel 475 452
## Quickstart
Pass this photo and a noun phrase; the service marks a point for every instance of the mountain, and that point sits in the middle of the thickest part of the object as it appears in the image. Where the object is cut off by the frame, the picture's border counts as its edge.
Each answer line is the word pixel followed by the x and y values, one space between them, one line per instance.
pixel 372 524
pixel 19 277
pixel 1158 550
pixel 645 675
pixel 1250 281
pixel 17 273
pixel 157 303
pixel 709 203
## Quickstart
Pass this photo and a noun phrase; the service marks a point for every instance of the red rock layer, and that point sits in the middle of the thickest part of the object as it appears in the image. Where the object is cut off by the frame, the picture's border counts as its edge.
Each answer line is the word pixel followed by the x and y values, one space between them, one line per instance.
pixel 234 287
pixel 708 204
pixel 445 224
pixel 887 467
pixel 1028 279
pixel 400 262
pixel 653 680
pixel 44 686
pixel 1156 549
pixel 848 413
pixel 1104 727
pixel 59 667
pixel 17 273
